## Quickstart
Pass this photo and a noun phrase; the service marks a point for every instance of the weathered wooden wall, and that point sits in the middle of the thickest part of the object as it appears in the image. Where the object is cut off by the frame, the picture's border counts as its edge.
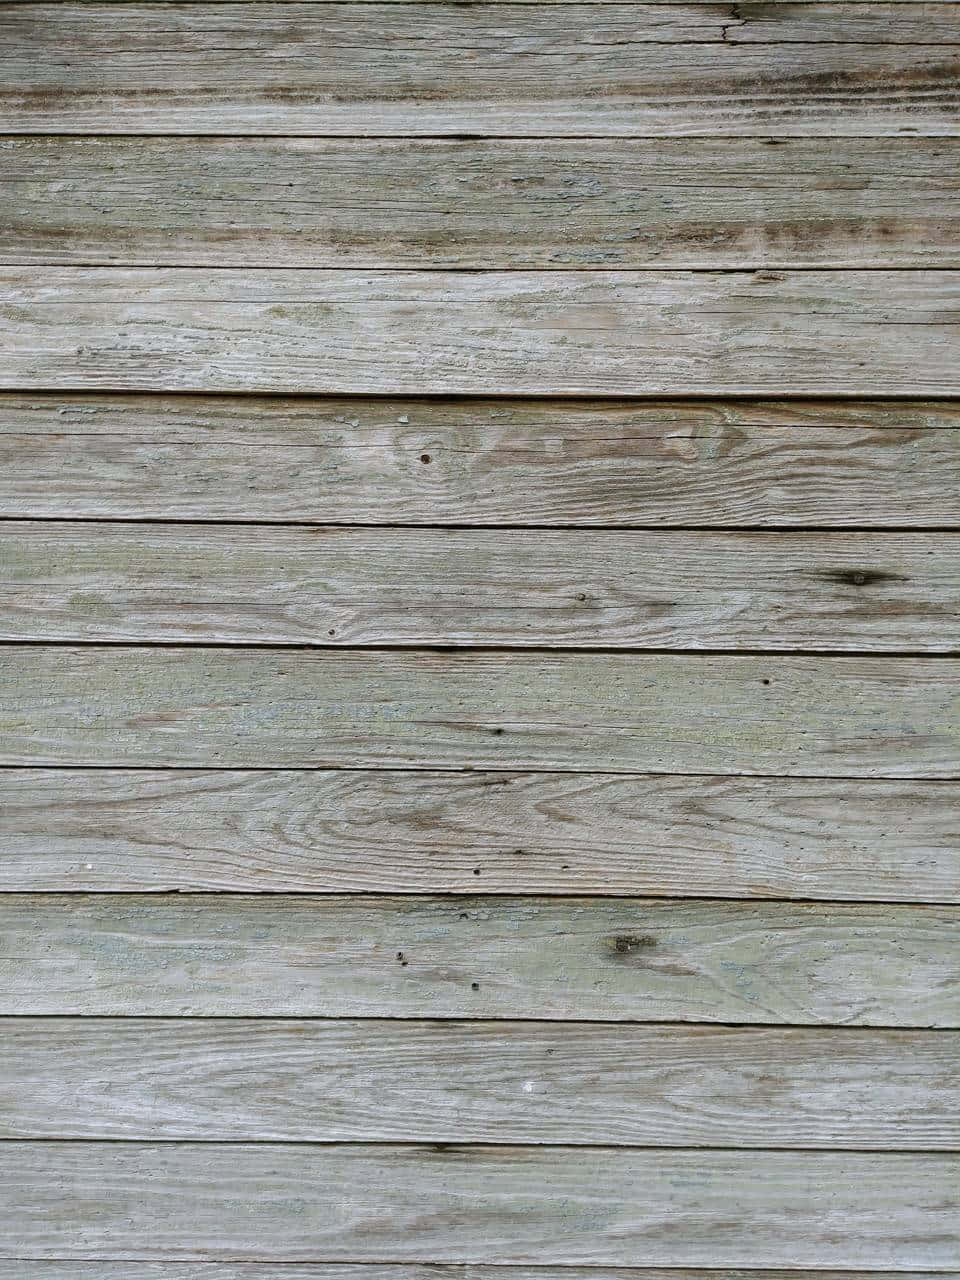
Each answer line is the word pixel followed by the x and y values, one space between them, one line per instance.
pixel 479 614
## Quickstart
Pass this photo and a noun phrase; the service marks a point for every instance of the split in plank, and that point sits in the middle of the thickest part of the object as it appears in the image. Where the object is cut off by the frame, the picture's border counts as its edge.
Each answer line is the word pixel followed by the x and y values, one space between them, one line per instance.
pixel 541 333
pixel 335 586
pixel 490 462
pixel 419 69
pixel 306 202
pixel 138 831
pixel 504 1082
pixel 536 1205
pixel 559 959
pixel 896 717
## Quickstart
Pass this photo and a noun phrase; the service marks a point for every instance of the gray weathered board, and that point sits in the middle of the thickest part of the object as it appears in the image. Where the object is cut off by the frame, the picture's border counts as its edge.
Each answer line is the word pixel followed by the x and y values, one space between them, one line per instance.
pixel 562 204
pixel 506 1082
pixel 496 69
pixel 504 332
pixel 781 463
pixel 895 717
pixel 604 959
pixel 461 1204
pixel 37 1269
pixel 476 831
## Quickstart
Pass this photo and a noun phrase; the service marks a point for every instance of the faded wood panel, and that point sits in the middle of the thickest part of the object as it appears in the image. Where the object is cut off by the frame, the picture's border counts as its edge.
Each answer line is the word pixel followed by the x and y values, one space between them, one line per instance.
pixel 511 1082
pixel 605 959
pixel 183 707
pixel 564 333
pixel 338 586
pixel 307 202
pixel 418 831
pixel 815 70
pixel 779 463
pixel 37 1269
pixel 501 1204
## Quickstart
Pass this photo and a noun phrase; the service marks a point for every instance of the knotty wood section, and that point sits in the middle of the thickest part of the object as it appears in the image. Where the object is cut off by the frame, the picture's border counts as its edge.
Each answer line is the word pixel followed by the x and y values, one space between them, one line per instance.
pixel 105 830
pixel 245 584
pixel 496 69
pixel 503 1082
pixel 364 203
pixel 604 959
pixel 504 1204
pixel 182 707
pixel 829 463
pixel 563 333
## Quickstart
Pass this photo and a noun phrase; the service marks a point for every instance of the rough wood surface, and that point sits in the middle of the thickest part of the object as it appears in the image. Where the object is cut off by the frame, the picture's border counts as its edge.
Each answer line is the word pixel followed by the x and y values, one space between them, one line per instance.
pixel 606 959
pixel 354 461
pixel 500 69
pixel 542 333
pixel 663 713
pixel 507 1082
pixel 414 832
pixel 307 202
pixel 335 586
pixel 499 1204
pixel 37 1269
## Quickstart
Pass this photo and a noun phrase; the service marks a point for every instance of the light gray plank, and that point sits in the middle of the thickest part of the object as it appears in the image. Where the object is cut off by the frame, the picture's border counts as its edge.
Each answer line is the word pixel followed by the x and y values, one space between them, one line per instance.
pixel 605 959
pixel 307 202
pixel 36 1269
pixel 563 333
pixel 337 586
pixel 736 462
pixel 664 713
pixel 501 1204
pixel 500 69
pixel 419 831
pixel 506 1082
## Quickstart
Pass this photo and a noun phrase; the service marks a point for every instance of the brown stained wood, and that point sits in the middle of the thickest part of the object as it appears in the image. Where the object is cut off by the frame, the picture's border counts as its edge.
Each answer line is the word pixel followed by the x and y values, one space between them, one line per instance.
pixel 35 1269
pixel 564 333
pixel 105 830
pixel 307 202
pixel 523 70
pixel 513 1082
pixel 501 1204
pixel 195 707
pixel 335 586
pixel 601 959
pixel 355 461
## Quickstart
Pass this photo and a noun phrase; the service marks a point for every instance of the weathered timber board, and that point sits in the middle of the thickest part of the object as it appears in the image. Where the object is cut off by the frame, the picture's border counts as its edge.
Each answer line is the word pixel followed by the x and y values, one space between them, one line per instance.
pixel 522 70
pixel 418 831
pixel 497 1204
pixel 563 333
pixel 237 707
pixel 37 1269
pixel 338 586
pixel 307 202
pixel 505 1082
pixel 605 959
pixel 354 461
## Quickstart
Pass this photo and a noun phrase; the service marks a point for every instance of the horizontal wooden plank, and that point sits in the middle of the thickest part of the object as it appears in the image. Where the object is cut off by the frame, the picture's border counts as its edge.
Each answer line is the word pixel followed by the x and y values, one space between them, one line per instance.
pixel 37 1269
pixel 418 831
pixel 365 203
pixel 505 1082
pixel 500 69
pixel 500 1204
pixel 664 713
pixel 337 586
pixel 563 333
pixel 606 959
pixel 736 462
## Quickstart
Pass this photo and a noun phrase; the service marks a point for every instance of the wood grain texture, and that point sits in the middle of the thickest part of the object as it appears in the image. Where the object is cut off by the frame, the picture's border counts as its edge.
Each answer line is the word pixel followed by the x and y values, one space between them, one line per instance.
pixel 355 461
pixel 523 70
pixel 413 832
pixel 37 1269
pixel 499 1204
pixel 510 1082
pixel 603 959
pixel 307 202
pixel 335 586
pixel 564 333
pixel 236 707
